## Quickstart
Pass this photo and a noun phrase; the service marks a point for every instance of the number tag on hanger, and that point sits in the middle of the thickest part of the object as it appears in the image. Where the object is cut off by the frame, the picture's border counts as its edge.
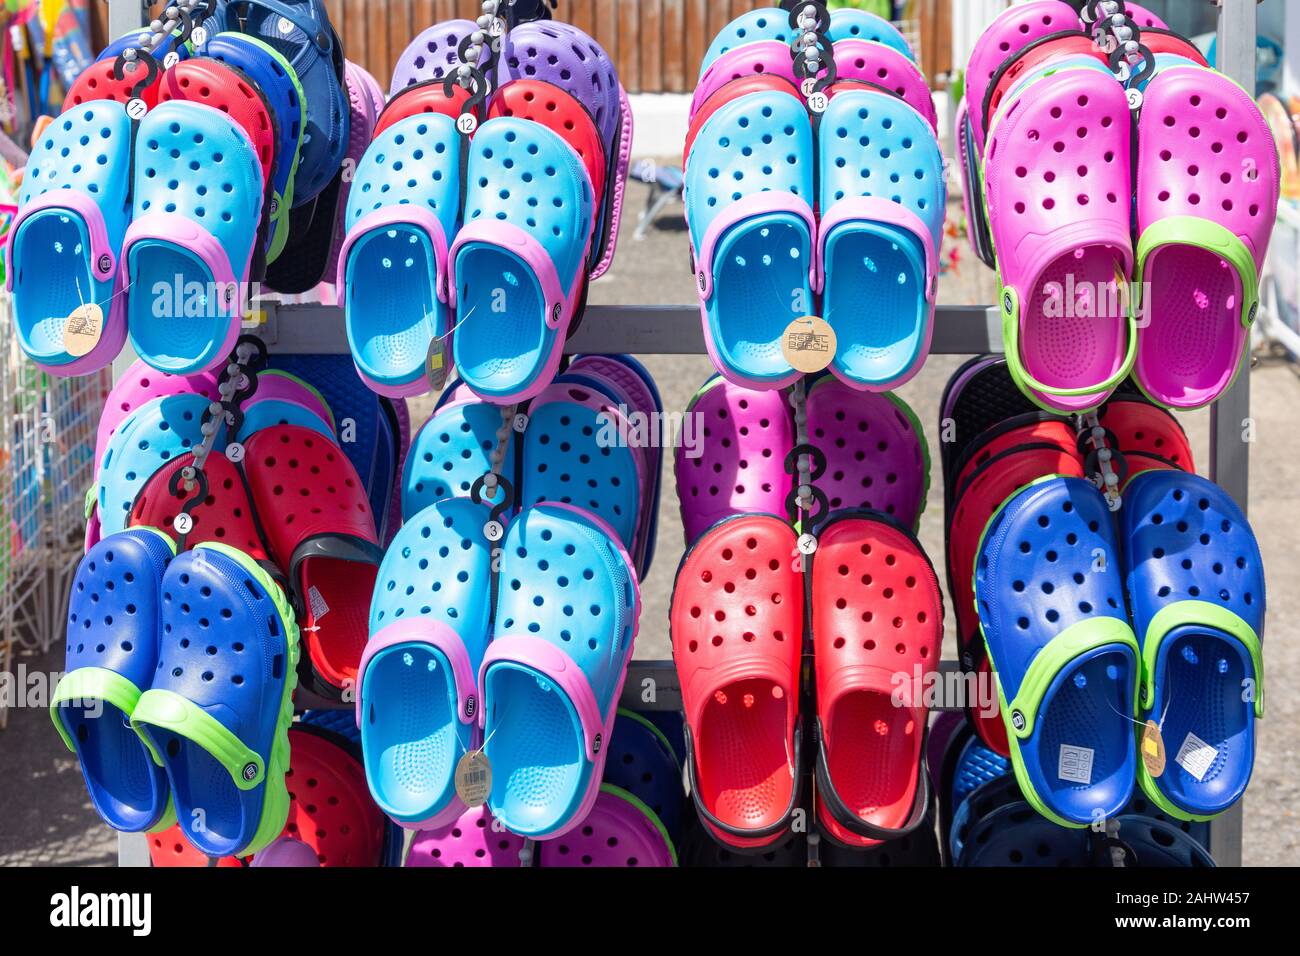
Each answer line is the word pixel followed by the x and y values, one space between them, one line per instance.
pixel 136 109
pixel 474 778
pixel 200 36
pixel 809 344
pixel 171 59
pixel 819 102
pixel 82 329
pixel 235 452
pixel 183 524
pixel 496 28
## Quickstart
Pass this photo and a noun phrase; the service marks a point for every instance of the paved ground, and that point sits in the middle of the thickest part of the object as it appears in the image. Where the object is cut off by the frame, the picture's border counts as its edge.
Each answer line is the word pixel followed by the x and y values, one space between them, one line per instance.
pixel 44 817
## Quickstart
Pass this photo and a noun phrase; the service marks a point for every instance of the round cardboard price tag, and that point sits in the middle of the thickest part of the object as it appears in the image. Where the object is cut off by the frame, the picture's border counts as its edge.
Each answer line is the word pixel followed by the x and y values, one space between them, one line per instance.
pixel 82 329
pixel 1153 749
pixel 809 345
pixel 473 778
pixel 436 365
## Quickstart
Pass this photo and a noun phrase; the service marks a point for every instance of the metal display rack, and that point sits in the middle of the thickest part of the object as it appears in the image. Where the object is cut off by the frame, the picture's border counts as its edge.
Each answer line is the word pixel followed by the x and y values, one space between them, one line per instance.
pixel 676 330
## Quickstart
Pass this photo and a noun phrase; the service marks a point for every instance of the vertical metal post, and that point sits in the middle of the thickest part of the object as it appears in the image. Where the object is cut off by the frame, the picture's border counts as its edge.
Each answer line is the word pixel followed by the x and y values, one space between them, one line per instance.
pixel 1231 430
pixel 125 16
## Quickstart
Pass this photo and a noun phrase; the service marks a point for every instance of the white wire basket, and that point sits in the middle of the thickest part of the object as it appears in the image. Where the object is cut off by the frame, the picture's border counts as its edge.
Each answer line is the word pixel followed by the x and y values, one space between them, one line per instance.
pixel 47 447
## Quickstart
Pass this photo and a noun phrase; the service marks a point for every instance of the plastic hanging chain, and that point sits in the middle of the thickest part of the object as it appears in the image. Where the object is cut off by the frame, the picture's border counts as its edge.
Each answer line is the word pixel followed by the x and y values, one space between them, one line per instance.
pixel 238 383
pixel 180 14
pixel 488 35
pixel 485 488
pixel 1105 465
pixel 814 65
pixel 1120 37
pixel 807 503
pixel 187 14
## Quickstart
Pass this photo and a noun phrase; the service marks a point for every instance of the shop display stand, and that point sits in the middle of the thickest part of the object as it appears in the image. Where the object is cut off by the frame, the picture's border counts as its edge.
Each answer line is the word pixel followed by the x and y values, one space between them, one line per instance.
pixel 676 330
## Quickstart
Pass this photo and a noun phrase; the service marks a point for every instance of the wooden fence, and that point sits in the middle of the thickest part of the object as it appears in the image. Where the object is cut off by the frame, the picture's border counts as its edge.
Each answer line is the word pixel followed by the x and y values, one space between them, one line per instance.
pixel 656 44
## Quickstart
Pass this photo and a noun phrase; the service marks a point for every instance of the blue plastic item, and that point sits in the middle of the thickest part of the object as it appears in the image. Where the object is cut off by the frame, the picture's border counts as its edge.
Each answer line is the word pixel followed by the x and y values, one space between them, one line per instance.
pixel 402 217
pixel 656 404
pixel 765 23
pixel 643 763
pixel 112 637
pixel 1014 835
pixel 1196 583
pixel 565 623
pixel 1048 583
pixel 977 805
pixel 301 31
pixel 429 628
pixel 749 189
pixel 450 453
pixel 519 262
pixel 565 460
pixel 268 68
pixel 1158 844
pixel 976 766
pixel 153 434
pixel 883 201
pixel 217 716
pixel 189 247
pixel 73 214
pixel 266 414
pixel 849 24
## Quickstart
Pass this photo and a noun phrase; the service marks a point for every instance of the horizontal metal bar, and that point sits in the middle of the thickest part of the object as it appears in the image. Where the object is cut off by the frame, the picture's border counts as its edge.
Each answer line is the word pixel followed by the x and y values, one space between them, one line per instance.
pixel 610 329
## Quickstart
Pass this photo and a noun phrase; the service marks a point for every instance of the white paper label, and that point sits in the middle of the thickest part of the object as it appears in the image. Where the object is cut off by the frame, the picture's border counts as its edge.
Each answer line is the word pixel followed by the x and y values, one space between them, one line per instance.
pixel 1196 756
pixel 1075 764
pixel 318 606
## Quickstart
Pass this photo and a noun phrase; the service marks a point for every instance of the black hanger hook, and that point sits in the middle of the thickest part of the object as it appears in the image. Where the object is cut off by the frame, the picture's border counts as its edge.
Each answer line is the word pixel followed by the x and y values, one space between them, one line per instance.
pixel 152 66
